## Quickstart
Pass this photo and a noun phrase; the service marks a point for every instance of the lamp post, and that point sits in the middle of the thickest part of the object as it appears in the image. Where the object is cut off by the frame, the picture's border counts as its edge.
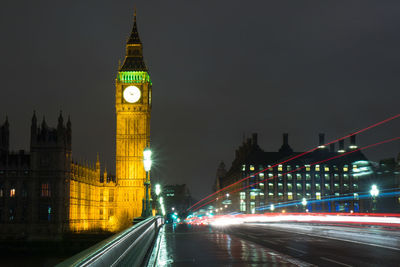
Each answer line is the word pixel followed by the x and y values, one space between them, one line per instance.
pixel 374 193
pixel 158 192
pixel 304 203
pixel 161 200
pixel 158 189
pixel 146 211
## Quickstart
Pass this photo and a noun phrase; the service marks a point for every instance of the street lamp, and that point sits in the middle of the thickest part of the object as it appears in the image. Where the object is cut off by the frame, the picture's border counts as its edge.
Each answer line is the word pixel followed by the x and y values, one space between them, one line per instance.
pixel 158 192
pixel 374 193
pixel 146 211
pixel 272 208
pixel 304 203
pixel 161 200
pixel 374 190
pixel 158 189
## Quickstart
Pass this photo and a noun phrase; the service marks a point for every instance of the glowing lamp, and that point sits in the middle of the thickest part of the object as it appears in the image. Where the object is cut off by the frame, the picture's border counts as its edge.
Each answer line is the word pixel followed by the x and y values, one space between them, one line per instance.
pixel 147 159
pixel 374 190
pixel 158 189
pixel 304 202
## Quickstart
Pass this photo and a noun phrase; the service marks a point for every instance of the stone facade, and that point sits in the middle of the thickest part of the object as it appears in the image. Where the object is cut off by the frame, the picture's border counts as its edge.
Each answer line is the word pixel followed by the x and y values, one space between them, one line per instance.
pixel 44 193
pixel 133 127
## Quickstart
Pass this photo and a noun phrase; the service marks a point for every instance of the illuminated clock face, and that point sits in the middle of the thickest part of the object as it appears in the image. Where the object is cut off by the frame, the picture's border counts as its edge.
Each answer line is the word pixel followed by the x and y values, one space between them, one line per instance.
pixel 131 94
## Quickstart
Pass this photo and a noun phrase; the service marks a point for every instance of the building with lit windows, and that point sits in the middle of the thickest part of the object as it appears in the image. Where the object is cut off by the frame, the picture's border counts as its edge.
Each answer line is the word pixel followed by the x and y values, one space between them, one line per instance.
pixel 297 185
pixel 387 180
pixel 44 193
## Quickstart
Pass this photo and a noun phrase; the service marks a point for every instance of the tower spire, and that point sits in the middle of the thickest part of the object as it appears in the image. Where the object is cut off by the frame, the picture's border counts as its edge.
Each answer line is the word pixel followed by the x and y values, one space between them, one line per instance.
pixel 134 51
pixel 134 37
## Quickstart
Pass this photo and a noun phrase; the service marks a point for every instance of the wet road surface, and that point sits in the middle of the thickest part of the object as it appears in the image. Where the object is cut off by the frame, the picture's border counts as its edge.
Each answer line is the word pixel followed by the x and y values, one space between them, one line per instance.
pixel 190 245
pixel 325 245
pixel 275 245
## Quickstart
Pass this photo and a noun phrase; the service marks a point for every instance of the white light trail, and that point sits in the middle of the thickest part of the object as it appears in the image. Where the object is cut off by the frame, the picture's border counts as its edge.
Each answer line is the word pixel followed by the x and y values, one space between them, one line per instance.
pixel 351 218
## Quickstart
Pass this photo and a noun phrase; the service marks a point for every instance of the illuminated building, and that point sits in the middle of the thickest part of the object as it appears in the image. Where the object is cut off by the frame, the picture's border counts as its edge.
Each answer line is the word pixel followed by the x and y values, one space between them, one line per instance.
pixel 44 193
pixel 133 106
pixel 294 180
pixel 387 179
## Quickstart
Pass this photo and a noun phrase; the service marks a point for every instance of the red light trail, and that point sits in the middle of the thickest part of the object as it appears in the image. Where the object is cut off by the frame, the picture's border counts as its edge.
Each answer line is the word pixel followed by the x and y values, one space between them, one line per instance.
pixel 314 163
pixel 297 156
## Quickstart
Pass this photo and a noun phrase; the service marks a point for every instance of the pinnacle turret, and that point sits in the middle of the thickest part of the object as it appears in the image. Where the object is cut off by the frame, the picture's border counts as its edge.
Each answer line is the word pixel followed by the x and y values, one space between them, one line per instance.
pixel 98 162
pixel 6 122
pixel 69 123
pixel 34 119
pixel 60 120
pixel 44 125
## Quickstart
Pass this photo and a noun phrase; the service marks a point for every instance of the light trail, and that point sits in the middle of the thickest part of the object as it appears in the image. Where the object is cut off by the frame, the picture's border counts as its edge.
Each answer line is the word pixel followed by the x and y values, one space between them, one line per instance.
pixel 383 219
pixel 311 164
pixel 297 156
pixel 337 218
pixel 283 205
pixel 360 193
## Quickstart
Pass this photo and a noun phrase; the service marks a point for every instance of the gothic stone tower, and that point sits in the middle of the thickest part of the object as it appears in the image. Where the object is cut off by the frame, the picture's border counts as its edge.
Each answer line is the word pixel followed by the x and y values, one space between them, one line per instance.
pixel 133 106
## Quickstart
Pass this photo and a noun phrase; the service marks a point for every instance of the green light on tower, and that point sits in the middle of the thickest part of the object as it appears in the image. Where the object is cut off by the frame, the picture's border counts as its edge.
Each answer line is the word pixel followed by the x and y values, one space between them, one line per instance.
pixel 134 76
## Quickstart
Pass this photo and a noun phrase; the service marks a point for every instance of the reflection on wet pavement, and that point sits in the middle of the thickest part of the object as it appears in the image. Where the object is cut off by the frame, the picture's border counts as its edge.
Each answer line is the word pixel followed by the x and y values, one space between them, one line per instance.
pixel 190 245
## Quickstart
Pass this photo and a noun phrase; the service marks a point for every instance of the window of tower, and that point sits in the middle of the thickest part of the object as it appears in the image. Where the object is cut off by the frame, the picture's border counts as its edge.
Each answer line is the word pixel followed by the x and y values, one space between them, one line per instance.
pixel 12 192
pixel 110 213
pixel 45 190
pixel 111 195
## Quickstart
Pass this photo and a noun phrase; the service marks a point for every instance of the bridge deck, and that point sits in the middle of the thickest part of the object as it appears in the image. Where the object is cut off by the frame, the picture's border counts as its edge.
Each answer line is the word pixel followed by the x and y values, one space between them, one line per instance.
pixel 190 245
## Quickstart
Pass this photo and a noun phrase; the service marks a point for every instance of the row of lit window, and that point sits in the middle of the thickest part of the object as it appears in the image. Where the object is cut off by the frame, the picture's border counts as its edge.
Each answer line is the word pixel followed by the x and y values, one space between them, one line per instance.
pixel 307 176
pixel 306 167
pixel 299 187
pixel 308 186
pixel 290 197
pixel 291 194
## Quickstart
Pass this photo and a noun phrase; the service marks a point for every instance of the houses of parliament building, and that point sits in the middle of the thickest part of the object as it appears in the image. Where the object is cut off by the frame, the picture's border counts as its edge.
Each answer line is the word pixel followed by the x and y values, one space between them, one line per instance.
pixel 45 193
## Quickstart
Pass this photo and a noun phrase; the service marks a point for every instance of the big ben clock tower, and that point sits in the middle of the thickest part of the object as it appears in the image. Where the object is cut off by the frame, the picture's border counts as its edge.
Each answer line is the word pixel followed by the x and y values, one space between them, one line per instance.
pixel 133 107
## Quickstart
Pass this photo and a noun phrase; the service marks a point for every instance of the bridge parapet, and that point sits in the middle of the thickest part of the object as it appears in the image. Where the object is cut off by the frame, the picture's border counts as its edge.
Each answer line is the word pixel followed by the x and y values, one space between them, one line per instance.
pixel 128 248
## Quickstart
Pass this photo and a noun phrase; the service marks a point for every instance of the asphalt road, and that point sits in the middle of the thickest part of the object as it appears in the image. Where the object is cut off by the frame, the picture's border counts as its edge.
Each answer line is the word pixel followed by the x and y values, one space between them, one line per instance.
pixel 290 244
pixel 325 245
pixel 191 245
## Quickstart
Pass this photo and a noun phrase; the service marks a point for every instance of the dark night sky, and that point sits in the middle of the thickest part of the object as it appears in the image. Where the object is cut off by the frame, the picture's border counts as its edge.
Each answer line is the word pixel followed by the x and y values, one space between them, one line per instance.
pixel 219 69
